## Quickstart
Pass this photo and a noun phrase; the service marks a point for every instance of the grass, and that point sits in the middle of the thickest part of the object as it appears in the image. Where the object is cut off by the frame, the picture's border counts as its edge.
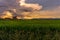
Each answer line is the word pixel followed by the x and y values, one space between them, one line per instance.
pixel 46 29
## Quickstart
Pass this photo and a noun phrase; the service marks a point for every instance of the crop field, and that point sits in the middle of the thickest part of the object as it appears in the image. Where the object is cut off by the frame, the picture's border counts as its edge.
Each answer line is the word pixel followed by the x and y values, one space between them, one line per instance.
pixel 35 29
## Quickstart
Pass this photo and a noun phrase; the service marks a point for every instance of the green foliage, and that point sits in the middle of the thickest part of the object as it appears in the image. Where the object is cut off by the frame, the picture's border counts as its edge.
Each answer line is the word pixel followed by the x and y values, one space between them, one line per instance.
pixel 30 29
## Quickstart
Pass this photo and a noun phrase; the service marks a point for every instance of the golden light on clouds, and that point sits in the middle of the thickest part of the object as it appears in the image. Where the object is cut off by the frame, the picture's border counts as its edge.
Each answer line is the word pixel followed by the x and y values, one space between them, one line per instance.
pixel 20 12
pixel 7 14
pixel 30 5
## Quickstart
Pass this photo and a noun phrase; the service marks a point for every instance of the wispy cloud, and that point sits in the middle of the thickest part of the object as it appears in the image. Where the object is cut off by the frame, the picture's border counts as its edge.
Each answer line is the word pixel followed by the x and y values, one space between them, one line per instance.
pixel 54 13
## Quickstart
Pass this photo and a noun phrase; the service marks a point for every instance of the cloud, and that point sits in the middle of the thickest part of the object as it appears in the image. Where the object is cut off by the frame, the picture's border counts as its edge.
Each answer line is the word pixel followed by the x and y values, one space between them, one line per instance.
pixel 30 5
pixel 53 13
pixel 20 6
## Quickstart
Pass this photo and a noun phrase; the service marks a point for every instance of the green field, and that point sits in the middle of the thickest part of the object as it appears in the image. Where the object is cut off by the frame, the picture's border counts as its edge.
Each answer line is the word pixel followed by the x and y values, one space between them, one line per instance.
pixel 42 29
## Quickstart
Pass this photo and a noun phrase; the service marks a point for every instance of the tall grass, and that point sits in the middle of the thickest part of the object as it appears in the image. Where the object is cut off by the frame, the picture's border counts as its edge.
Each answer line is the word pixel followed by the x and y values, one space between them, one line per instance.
pixel 29 29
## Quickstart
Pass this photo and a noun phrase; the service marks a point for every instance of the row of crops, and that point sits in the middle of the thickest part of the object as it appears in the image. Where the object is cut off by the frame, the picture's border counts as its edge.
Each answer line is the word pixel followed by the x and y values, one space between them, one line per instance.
pixel 30 29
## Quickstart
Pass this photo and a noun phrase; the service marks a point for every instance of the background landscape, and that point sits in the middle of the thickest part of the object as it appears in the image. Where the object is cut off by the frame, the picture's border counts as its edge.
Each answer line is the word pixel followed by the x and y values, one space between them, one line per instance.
pixel 29 19
pixel 29 9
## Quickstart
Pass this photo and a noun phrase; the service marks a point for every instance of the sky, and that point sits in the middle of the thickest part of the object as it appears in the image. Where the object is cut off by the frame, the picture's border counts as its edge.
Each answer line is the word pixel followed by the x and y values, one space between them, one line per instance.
pixel 51 8
pixel 47 4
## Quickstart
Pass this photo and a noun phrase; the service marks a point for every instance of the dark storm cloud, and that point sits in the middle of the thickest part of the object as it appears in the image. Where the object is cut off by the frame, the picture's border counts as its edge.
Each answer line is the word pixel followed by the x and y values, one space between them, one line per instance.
pixel 6 4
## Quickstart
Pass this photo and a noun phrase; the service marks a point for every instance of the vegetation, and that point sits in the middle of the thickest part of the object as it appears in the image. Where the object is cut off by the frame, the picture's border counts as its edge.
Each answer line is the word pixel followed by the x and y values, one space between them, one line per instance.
pixel 46 29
